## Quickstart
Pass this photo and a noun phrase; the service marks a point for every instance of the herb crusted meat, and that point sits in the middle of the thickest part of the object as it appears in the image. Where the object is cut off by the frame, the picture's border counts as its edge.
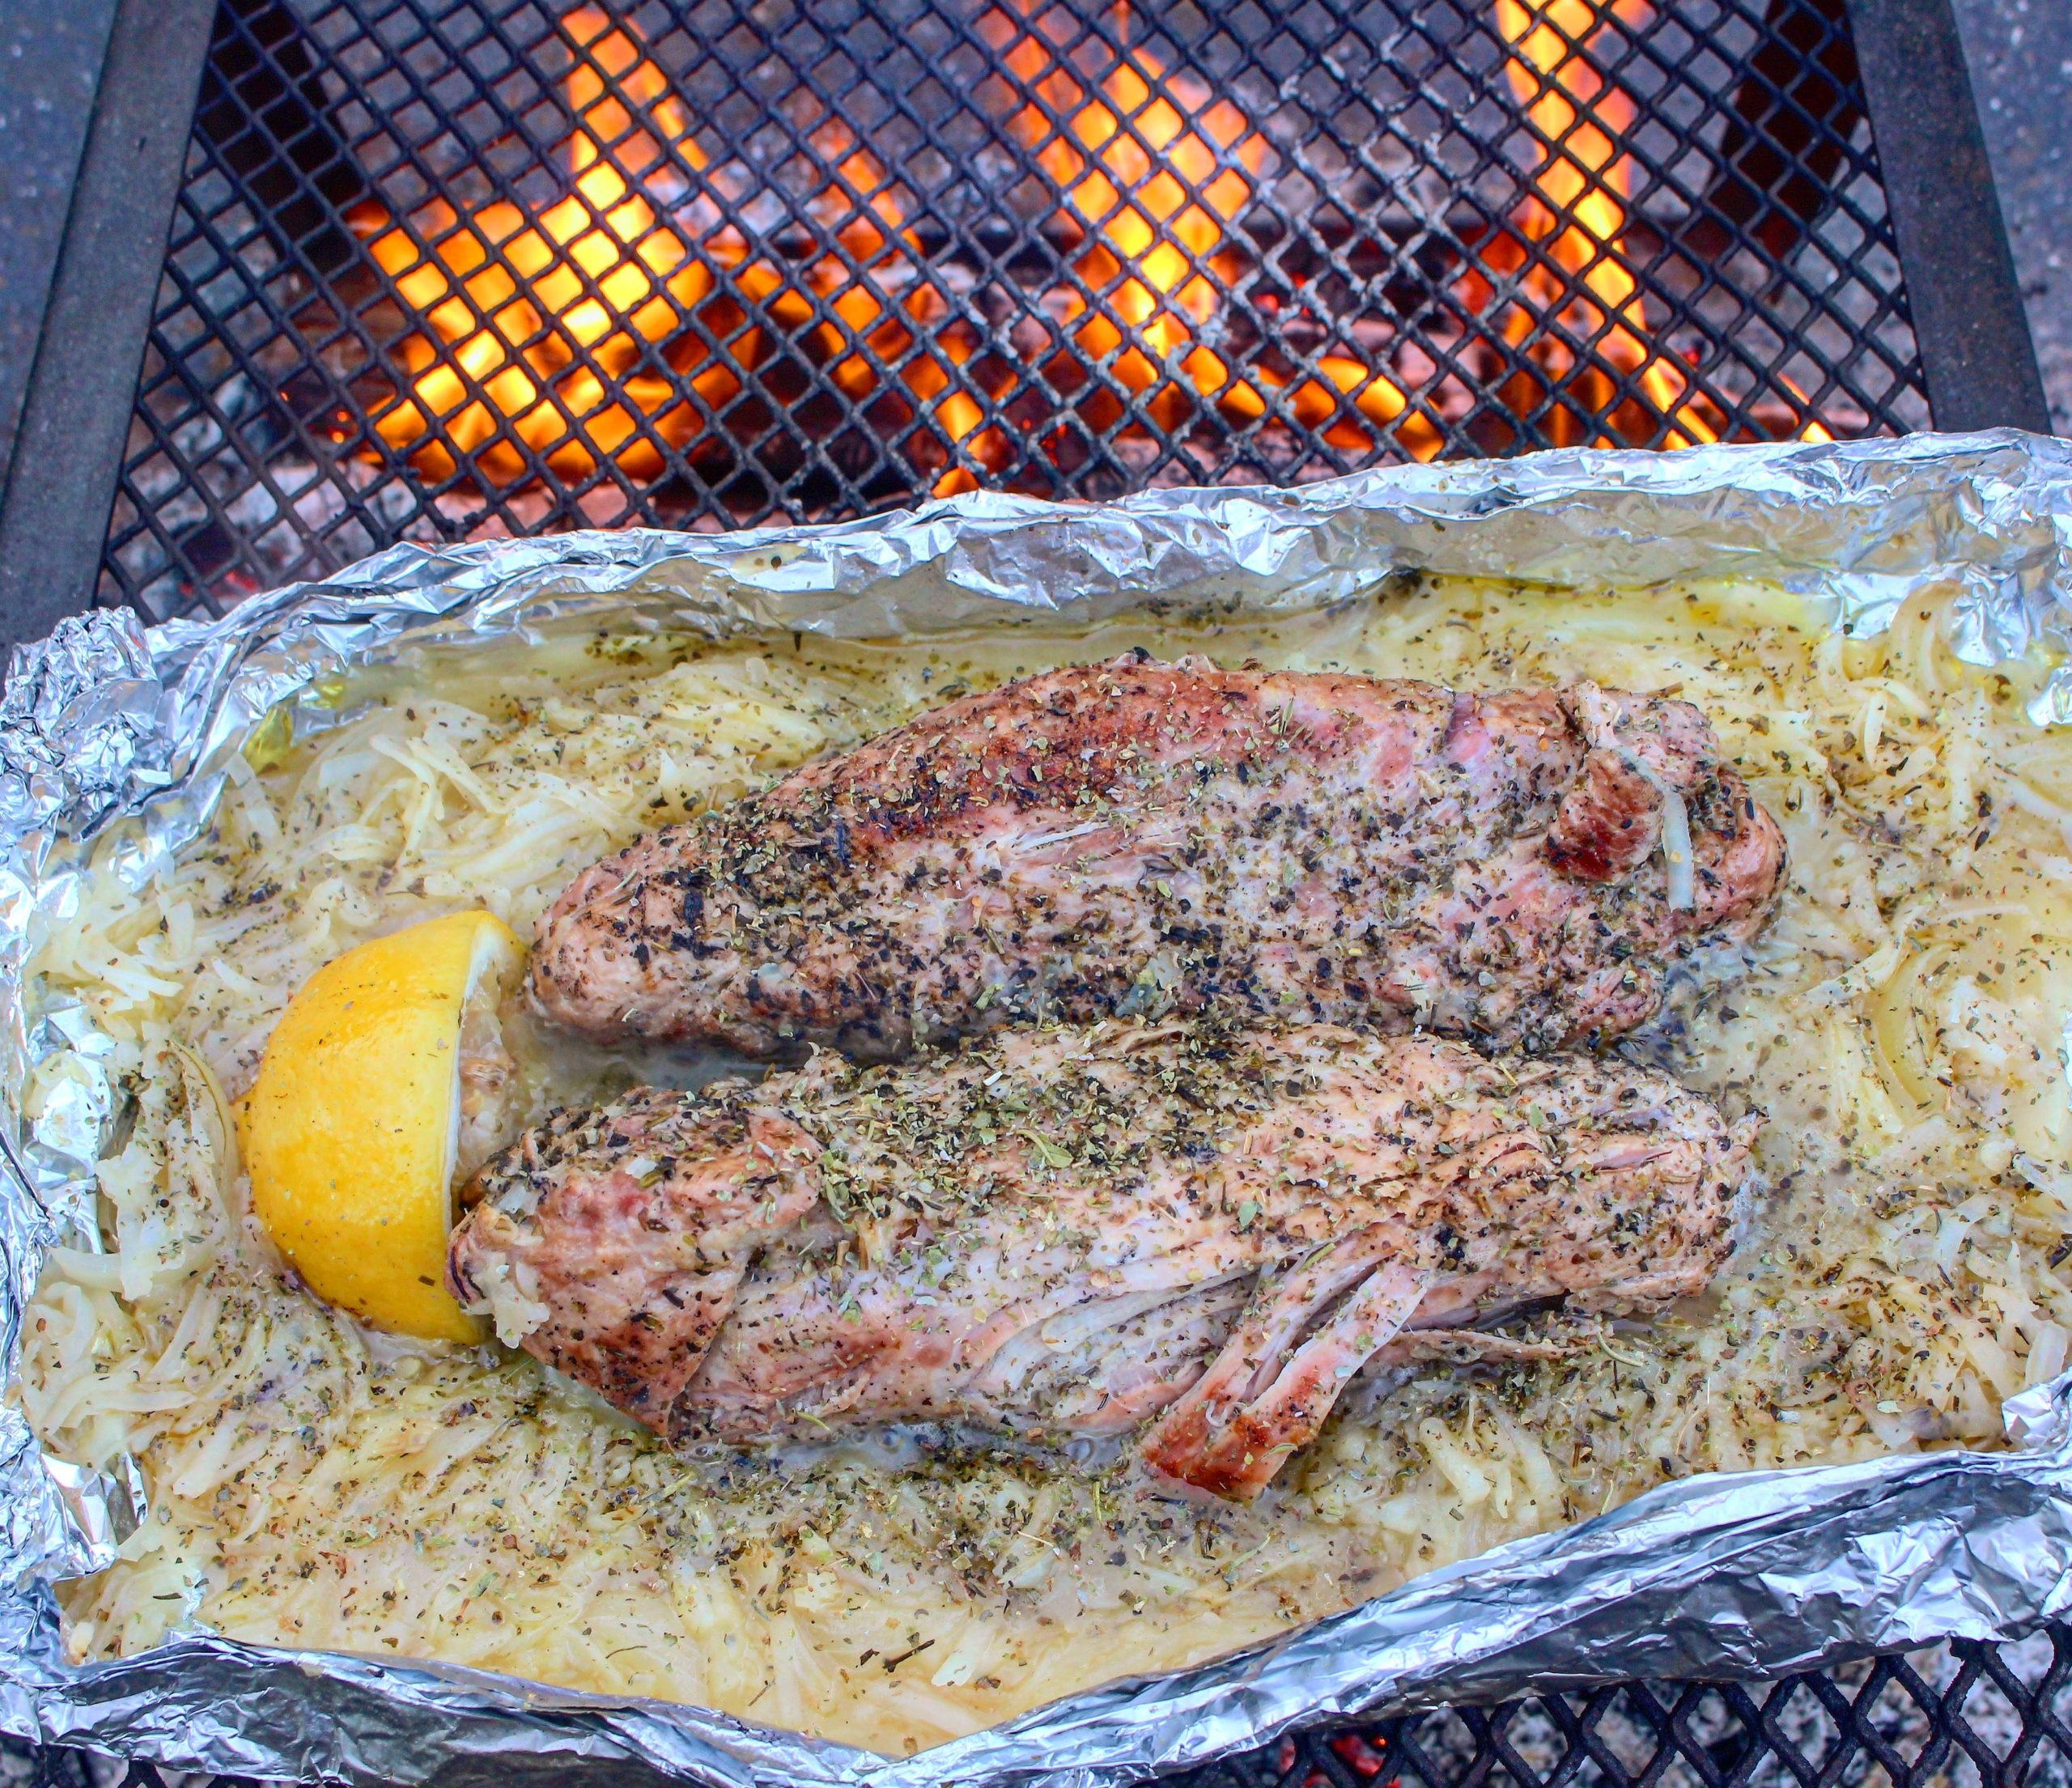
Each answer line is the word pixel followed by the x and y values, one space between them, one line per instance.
pixel 1198 1230
pixel 1137 837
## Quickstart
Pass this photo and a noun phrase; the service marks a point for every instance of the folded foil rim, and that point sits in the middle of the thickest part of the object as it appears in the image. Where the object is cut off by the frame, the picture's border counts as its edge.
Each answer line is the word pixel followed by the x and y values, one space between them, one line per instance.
pixel 1715 1575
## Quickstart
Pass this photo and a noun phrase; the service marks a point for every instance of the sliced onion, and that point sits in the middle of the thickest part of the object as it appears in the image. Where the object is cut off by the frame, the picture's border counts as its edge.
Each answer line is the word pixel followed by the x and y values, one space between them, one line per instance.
pixel 1676 851
pixel 1675 836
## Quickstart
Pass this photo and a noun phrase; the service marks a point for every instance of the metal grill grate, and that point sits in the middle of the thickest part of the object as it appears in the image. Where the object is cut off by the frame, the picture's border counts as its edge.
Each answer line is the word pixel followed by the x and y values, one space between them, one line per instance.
pixel 1964 1713
pixel 445 267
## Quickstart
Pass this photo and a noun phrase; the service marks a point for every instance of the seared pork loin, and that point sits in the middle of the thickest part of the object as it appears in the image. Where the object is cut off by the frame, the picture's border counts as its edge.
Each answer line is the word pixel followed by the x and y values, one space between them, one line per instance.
pixel 1138 838
pixel 1205 1228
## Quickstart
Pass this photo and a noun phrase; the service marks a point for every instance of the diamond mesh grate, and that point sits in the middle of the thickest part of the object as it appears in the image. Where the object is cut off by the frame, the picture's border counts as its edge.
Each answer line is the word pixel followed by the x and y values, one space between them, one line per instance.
pixel 1963 1715
pixel 442 269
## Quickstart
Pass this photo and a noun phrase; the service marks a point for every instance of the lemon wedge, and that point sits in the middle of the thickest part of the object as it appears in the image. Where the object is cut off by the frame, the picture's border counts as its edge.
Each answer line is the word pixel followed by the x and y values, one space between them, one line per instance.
pixel 354 1126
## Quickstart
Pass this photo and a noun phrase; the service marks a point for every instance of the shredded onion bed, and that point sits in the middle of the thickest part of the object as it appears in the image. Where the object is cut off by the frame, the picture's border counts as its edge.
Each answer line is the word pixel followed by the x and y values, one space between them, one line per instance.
pixel 314 1485
pixel 1676 857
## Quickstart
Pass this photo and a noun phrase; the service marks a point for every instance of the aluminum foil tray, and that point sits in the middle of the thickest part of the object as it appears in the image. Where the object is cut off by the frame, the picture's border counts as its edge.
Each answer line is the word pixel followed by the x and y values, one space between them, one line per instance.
pixel 1707 1577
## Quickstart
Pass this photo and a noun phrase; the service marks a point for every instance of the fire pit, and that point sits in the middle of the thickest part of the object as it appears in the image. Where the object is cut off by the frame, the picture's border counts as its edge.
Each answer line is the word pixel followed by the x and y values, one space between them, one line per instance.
pixel 438 271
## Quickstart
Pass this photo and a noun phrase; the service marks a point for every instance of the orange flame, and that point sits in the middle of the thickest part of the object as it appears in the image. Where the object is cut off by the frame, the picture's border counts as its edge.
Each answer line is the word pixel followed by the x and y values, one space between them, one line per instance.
pixel 1131 170
pixel 1154 173
pixel 874 238
pixel 564 334
pixel 1582 117
pixel 524 344
pixel 528 311
pixel 1814 429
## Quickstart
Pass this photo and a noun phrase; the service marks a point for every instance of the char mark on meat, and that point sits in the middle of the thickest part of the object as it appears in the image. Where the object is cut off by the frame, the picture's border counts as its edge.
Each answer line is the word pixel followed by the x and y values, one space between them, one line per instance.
pixel 1197 1231
pixel 1139 837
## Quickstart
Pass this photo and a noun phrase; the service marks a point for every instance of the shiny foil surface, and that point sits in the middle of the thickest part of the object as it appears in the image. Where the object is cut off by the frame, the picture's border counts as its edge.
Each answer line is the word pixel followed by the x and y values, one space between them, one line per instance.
pixel 1712 1575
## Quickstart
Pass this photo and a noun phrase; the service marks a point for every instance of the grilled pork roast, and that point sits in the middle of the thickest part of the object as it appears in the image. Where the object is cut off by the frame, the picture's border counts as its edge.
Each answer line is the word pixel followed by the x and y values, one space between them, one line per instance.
pixel 1205 1227
pixel 1137 837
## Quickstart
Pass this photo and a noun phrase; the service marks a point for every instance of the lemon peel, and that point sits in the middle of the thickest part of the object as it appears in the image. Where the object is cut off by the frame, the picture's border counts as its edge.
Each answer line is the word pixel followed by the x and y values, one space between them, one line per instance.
pixel 351 1129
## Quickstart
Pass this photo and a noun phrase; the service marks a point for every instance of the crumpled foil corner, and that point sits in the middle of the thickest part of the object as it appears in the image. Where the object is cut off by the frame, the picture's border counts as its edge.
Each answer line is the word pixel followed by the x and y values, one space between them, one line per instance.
pixel 107 722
